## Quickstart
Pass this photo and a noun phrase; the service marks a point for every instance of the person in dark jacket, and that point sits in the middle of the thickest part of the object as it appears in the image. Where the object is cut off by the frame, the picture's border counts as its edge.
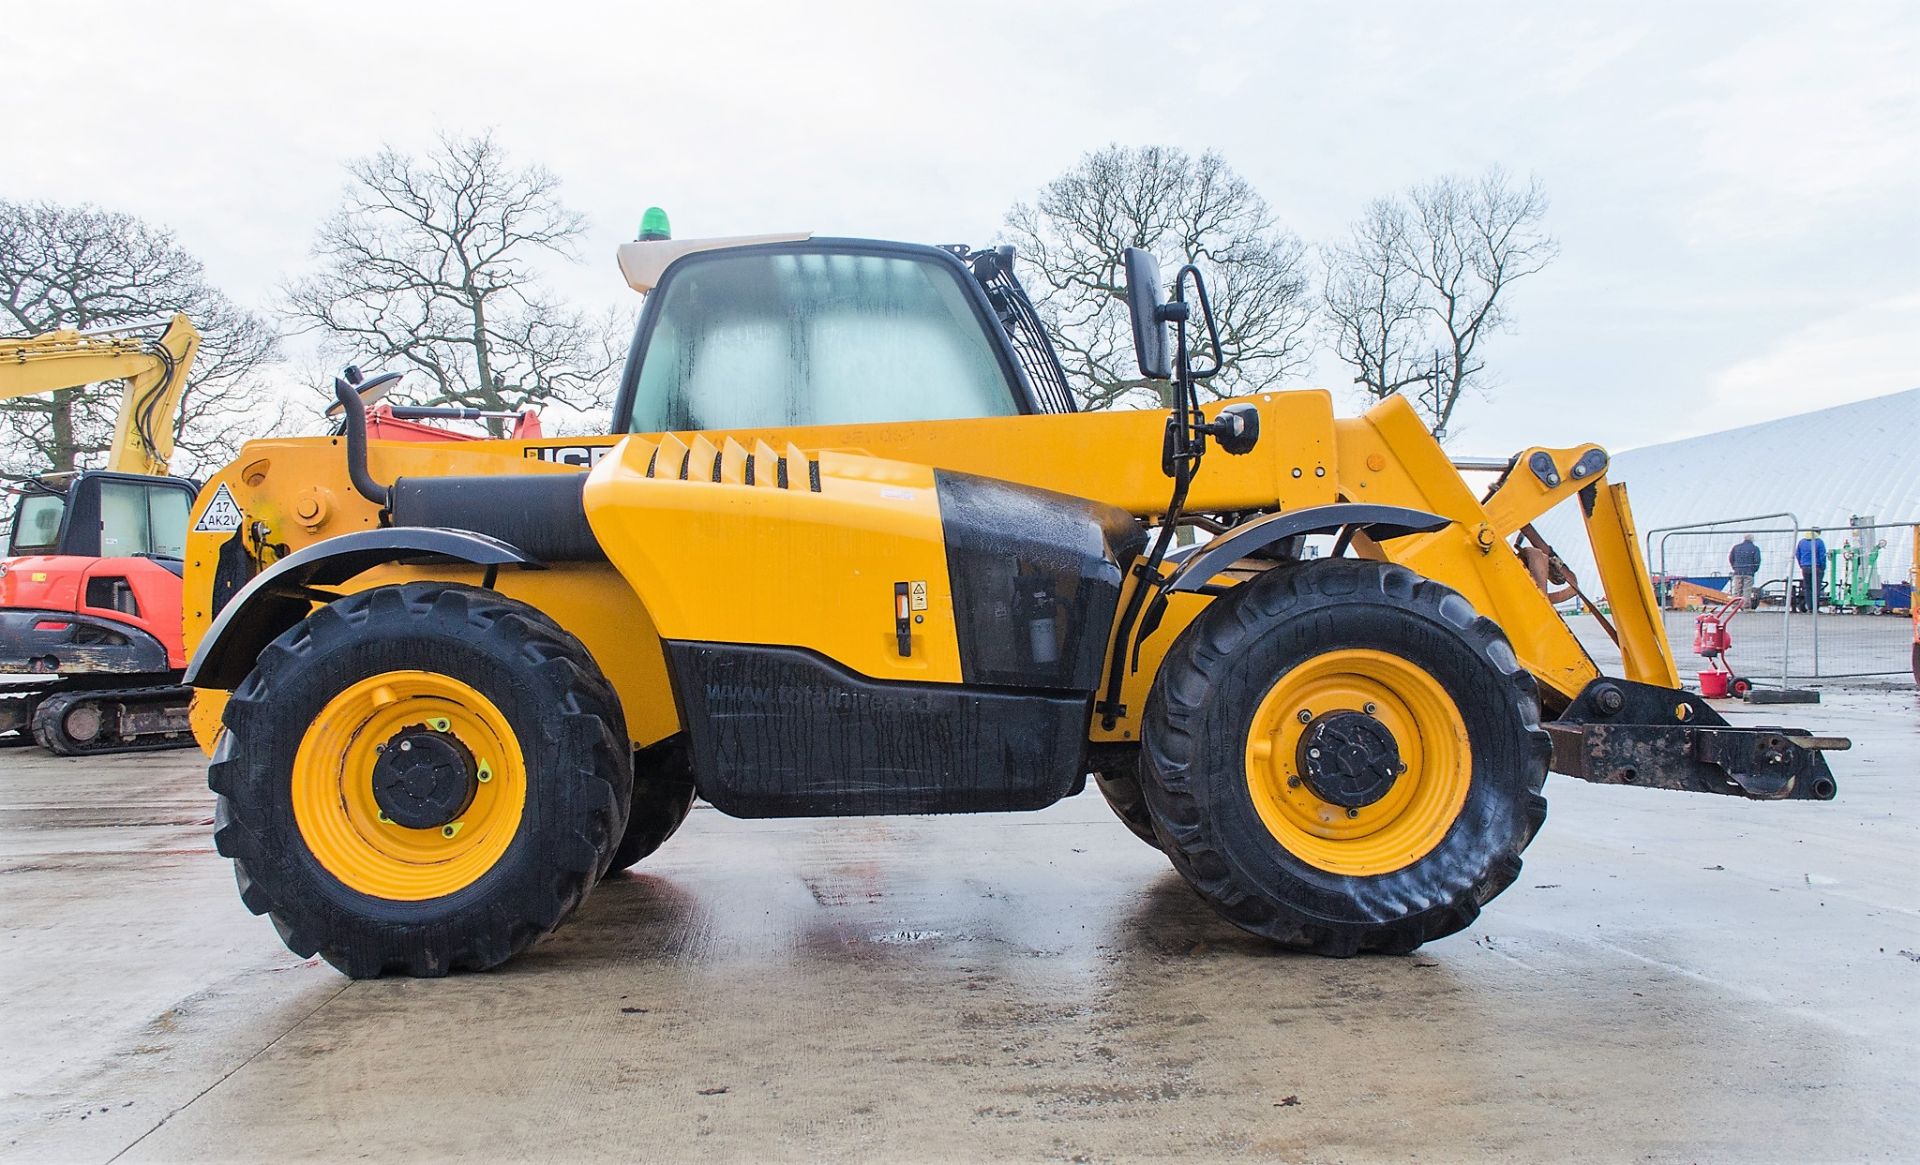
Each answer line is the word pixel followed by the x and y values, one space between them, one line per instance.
pixel 1744 558
pixel 1810 555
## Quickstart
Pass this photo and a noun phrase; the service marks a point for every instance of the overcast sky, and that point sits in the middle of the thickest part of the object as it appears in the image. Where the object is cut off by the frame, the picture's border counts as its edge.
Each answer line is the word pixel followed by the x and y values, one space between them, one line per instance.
pixel 1734 186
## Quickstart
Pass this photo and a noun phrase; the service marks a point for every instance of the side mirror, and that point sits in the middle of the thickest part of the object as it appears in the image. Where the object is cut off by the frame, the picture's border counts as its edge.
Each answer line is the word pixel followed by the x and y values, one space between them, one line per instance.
pixel 1145 308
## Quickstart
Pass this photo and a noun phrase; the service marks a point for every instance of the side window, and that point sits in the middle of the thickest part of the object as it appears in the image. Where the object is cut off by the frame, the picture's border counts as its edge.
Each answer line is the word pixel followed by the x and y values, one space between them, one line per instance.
pixel 124 521
pixel 783 338
pixel 167 520
pixel 36 528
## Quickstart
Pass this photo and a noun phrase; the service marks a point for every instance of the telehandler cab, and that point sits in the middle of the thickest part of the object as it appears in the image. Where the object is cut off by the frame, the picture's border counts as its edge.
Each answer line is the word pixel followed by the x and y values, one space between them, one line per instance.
pixel 850 550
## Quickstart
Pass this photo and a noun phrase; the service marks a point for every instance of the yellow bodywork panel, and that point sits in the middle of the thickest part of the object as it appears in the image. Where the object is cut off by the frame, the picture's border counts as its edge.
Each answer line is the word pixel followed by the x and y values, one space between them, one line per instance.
pixel 729 562
pixel 1645 654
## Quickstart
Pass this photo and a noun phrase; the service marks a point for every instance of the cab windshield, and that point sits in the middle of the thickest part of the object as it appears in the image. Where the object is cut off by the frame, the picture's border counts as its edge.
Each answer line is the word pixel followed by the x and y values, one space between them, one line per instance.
pixel 772 339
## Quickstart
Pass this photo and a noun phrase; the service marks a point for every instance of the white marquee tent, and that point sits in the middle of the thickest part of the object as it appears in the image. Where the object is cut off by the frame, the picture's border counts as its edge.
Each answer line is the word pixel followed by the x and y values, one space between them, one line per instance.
pixel 1825 468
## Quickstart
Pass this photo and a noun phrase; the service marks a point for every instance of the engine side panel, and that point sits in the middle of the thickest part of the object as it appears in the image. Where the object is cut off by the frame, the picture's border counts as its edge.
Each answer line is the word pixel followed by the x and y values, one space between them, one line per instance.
pixel 1036 578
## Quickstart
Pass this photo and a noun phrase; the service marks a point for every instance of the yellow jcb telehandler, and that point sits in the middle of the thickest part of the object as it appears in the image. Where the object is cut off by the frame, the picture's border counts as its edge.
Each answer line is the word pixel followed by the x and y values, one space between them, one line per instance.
pixel 850 550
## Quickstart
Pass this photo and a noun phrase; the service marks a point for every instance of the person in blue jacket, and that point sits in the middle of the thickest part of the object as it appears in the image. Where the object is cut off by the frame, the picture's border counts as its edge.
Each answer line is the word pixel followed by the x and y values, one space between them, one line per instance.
pixel 1810 554
pixel 1744 559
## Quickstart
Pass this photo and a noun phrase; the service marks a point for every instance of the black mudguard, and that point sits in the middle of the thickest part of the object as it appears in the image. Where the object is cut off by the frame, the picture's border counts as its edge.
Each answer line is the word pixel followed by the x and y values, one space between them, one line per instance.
pixel 279 597
pixel 1380 523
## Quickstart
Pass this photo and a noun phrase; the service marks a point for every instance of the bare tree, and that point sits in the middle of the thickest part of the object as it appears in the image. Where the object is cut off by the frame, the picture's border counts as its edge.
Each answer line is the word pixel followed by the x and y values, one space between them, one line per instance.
pixel 430 263
pixel 83 267
pixel 1413 291
pixel 1372 302
pixel 1183 209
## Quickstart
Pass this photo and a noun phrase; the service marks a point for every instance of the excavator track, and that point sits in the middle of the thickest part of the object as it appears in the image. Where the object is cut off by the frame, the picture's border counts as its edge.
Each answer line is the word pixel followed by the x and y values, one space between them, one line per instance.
pixel 16 719
pixel 92 723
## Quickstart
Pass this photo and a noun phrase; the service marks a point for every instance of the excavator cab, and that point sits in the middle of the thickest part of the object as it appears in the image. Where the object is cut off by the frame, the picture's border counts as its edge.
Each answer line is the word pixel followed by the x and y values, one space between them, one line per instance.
pixel 102 514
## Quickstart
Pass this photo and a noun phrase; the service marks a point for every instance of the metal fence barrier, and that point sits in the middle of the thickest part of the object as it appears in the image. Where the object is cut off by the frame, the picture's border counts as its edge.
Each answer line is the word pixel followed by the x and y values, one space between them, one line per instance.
pixel 1844 614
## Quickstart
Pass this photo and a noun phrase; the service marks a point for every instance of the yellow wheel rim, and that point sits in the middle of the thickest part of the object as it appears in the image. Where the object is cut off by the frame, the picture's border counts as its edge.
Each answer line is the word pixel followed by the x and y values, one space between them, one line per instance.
pixel 333 793
pixel 1406 823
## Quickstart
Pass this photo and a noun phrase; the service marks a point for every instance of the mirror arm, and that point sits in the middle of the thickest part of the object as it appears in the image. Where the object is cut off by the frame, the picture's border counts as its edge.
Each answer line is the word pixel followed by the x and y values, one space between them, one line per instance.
pixel 1186 444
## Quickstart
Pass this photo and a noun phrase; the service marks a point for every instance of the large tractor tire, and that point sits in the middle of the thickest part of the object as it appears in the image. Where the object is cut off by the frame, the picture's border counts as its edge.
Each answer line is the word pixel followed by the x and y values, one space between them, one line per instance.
pixel 1129 804
pixel 663 795
pixel 419 779
pixel 1341 756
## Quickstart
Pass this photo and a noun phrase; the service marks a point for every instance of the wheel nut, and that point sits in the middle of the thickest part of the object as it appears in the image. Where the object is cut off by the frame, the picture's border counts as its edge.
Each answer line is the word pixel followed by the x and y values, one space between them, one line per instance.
pixel 1293 782
pixel 1314 753
pixel 1353 813
pixel 1304 716
pixel 1368 709
pixel 406 746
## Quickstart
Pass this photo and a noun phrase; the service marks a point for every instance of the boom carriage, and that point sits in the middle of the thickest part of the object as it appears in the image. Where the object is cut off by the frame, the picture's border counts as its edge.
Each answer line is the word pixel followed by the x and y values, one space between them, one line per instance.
pixel 517 674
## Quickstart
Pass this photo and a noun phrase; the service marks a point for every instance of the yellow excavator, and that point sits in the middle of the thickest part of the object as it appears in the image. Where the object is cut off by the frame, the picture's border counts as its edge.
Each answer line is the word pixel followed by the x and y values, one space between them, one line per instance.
pixel 90 578
pixel 849 549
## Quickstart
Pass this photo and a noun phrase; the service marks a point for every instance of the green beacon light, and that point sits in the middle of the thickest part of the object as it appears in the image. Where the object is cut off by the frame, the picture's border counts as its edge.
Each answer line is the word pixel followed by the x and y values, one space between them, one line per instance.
pixel 653 226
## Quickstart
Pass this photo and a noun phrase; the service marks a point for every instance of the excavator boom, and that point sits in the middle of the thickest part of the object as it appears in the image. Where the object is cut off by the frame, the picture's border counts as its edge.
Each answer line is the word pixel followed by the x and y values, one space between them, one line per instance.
pixel 155 372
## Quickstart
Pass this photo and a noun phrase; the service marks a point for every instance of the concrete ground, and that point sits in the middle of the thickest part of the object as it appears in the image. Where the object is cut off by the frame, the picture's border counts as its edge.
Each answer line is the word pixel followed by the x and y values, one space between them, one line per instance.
pixel 1674 977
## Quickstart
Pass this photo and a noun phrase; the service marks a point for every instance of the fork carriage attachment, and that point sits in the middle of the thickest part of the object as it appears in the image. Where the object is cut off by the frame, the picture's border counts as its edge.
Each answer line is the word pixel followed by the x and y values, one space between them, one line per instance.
pixel 1622 733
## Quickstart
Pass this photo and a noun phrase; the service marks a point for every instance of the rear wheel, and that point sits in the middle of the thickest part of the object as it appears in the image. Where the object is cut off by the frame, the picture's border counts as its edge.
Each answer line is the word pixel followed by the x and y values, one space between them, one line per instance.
pixel 1342 756
pixel 419 779
pixel 662 797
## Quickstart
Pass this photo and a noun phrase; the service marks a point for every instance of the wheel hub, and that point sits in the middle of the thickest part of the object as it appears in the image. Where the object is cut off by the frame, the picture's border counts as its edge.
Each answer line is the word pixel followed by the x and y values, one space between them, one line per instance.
pixel 423 779
pixel 1349 759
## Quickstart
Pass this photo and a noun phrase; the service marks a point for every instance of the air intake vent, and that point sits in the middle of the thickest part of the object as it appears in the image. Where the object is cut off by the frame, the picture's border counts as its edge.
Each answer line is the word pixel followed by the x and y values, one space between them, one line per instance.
pixel 731 463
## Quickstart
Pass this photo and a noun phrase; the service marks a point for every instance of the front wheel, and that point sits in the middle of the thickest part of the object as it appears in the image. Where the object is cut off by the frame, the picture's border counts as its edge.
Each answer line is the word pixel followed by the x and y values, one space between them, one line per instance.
pixel 1129 804
pixel 1342 756
pixel 420 778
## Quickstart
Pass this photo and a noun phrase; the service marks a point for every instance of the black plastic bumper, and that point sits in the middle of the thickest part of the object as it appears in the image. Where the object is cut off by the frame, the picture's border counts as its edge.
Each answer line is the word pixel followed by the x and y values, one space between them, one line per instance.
pixel 65 643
